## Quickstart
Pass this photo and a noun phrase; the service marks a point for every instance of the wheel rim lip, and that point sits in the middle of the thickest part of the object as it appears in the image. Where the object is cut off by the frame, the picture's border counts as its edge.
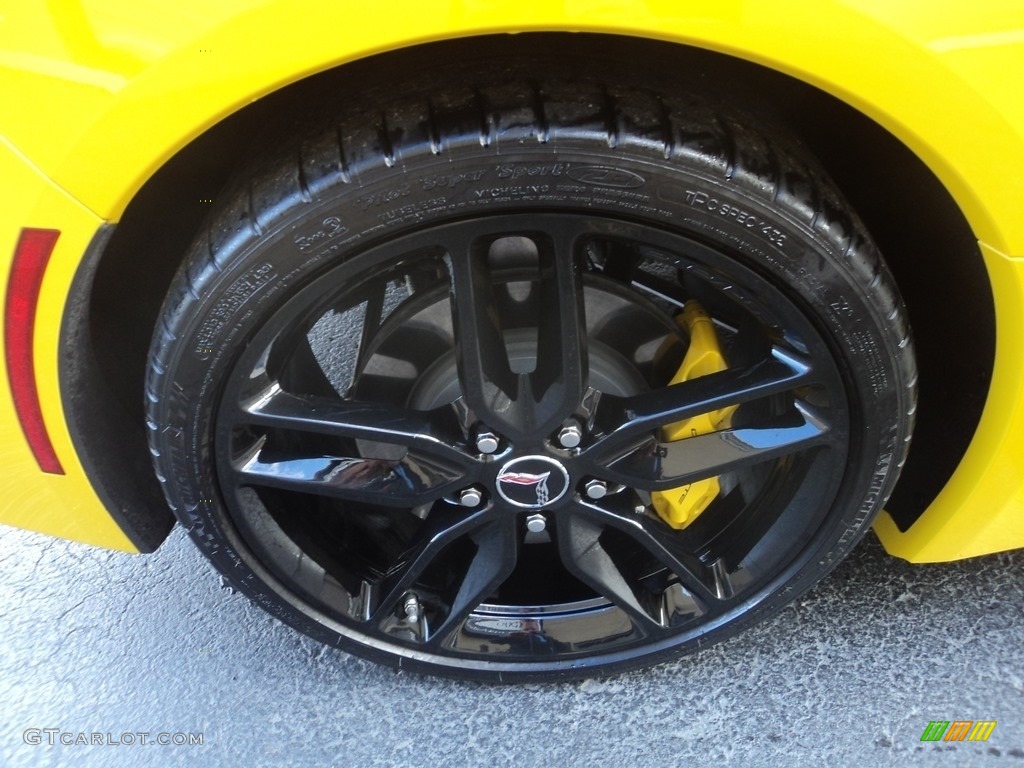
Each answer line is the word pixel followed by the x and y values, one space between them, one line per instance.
pixel 646 647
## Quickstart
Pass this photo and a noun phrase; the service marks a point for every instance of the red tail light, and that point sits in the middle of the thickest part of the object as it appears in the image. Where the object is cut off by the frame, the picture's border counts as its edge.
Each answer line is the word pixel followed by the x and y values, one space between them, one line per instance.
pixel 30 259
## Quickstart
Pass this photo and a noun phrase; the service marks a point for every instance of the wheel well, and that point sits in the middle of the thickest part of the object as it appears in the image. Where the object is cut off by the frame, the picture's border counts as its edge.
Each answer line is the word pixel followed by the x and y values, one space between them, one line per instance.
pixel 928 244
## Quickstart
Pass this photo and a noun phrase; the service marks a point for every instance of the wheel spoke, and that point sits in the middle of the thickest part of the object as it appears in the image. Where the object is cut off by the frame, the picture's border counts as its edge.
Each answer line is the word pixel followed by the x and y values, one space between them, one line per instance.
pixel 442 527
pixel 496 552
pixel 409 482
pixel 521 403
pixel 373 314
pixel 496 555
pixel 660 541
pixel 658 466
pixel 560 378
pixel 621 421
pixel 579 545
pixel 488 383
pixel 433 433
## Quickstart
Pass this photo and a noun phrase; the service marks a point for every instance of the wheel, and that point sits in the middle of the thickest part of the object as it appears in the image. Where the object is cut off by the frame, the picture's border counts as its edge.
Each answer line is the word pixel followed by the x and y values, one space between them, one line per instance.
pixel 530 381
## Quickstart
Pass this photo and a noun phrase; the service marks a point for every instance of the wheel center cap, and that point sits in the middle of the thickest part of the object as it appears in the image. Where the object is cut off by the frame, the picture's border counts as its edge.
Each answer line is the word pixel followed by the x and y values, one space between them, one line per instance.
pixel 532 482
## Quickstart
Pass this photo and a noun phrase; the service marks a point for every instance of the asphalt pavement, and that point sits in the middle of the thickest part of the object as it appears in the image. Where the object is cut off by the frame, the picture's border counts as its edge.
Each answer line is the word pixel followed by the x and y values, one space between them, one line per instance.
pixel 103 655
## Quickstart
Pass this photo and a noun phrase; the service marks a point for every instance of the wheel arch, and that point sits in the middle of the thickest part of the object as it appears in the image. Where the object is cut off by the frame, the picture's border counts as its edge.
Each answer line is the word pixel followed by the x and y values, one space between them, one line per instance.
pixel 916 221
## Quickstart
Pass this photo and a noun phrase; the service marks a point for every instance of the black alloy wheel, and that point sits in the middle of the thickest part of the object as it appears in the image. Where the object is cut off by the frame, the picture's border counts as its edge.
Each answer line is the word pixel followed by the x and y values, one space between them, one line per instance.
pixel 415 392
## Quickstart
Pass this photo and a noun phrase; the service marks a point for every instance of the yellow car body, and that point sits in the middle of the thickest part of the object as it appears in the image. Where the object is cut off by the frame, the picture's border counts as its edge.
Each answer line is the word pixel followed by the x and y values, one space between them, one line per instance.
pixel 98 95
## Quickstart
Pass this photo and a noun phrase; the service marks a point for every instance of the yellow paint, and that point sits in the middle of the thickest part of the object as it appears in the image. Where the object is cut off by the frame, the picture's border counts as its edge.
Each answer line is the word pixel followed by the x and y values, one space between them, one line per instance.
pixel 93 76
pixel 100 93
pixel 680 506
pixel 981 509
pixel 60 505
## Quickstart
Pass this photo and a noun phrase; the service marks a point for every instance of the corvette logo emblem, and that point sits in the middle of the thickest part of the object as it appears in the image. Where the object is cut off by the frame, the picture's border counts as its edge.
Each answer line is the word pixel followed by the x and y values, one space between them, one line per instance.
pixel 532 482
pixel 525 478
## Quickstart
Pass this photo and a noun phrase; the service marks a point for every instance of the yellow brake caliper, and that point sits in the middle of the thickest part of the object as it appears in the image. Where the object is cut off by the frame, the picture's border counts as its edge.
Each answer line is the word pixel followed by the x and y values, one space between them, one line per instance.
pixel 680 506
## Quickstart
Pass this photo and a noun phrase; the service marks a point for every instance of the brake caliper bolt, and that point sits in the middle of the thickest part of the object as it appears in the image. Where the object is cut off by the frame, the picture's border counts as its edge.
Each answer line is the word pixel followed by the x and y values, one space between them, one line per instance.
pixel 596 489
pixel 486 442
pixel 470 497
pixel 570 435
pixel 536 523
pixel 413 609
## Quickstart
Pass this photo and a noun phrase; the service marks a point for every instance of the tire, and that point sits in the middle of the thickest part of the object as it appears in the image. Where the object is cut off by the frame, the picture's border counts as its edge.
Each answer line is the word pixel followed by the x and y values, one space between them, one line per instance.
pixel 410 391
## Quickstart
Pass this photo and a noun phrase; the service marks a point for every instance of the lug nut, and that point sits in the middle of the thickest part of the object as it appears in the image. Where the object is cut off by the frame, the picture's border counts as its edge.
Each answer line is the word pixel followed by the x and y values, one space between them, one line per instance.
pixel 486 442
pixel 595 489
pixel 470 497
pixel 536 523
pixel 570 435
